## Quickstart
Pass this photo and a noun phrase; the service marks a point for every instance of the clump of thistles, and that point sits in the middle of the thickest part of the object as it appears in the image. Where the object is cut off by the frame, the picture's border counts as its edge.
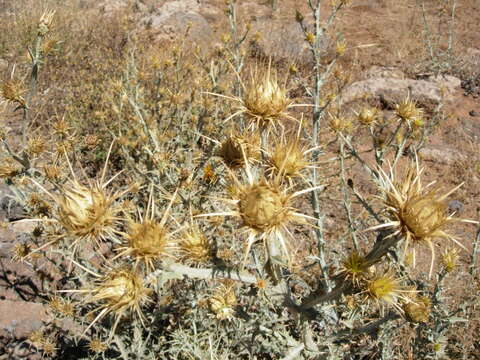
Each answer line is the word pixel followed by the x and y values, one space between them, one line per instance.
pixel 418 214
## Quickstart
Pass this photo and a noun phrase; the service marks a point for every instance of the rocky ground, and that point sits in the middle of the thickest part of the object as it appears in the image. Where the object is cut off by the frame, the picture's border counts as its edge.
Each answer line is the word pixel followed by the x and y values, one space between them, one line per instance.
pixel 381 46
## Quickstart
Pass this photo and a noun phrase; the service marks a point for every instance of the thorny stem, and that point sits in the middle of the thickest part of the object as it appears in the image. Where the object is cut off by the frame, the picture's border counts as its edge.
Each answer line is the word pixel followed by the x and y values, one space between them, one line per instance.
pixel 35 55
pixel 427 32
pixel 473 266
pixel 200 273
pixel 346 199
pixel 316 119
pixel 452 26
pixel 369 328
pixel 381 248
pixel 355 154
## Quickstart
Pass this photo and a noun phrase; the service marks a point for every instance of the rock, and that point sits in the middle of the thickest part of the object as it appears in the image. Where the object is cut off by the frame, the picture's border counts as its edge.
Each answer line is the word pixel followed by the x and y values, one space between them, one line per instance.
pixel 253 11
pixel 384 72
pixel 471 127
pixel 170 21
pixel 447 83
pixel 283 40
pixel 10 208
pixel 110 7
pixel 25 317
pixel 473 113
pixel 455 206
pixel 395 90
pixel 441 155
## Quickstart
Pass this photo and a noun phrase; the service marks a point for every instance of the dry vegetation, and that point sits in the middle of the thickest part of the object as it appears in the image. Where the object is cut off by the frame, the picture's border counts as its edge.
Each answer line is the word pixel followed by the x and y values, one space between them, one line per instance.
pixel 215 203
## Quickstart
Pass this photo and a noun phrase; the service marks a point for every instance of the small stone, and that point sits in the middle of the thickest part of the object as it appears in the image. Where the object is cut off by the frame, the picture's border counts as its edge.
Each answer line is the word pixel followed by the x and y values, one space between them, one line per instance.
pixel 473 113
pixel 455 206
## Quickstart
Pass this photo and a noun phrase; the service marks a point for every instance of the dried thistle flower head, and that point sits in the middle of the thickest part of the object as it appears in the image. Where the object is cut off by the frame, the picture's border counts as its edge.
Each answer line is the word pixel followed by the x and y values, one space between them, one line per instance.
pixel 417 213
pixel 384 288
pixel 9 168
pixel 52 172
pixel 418 310
pixel 20 251
pixel 45 23
pixel 265 101
pixel 97 346
pixel 408 111
pixel 121 291
pixel 86 212
pixel 37 337
pixel 237 149
pixel 450 259
pixel 368 116
pixel 265 210
pixel 61 306
pixel 354 268
pixel 340 47
pixel 13 91
pixel 223 301
pixel 340 125
pixel 36 146
pixel 149 240
pixel 288 157
pixel 48 346
pixel 194 246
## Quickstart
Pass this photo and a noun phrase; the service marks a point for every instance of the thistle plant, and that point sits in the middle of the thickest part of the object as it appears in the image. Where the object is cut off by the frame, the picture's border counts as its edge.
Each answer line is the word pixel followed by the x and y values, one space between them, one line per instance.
pixel 230 218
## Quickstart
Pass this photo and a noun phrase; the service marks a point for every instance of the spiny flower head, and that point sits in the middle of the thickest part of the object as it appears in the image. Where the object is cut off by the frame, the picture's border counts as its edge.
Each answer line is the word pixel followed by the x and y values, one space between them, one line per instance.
pixel 194 246
pixel 13 91
pixel 265 208
pixel 223 301
pixel 418 310
pixel 408 111
pixel 237 149
pixel 354 268
pixel 368 116
pixel 262 206
pixel 418 214
pixel 148 240
pixel 87 212
pixel 97 346
pixel 9 168
pixel 61 306
pixel 288 157
pixel 340 124
pixel 45 22
pixel 450 259
pixel 120 291
pixel 265 101
pixel 384 288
